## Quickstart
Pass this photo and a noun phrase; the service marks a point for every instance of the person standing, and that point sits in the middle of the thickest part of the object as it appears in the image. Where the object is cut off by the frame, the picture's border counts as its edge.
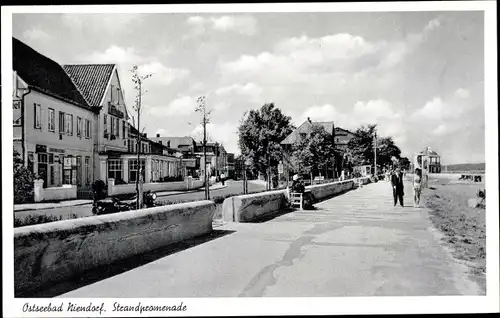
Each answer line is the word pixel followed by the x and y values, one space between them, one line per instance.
pixel 397 187
pixel 222 178
pixel 417 187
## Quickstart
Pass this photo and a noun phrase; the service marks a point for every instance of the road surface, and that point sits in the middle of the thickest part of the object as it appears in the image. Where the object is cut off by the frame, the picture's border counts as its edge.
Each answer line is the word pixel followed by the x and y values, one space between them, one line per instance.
pixel 233 187
pixel 356 244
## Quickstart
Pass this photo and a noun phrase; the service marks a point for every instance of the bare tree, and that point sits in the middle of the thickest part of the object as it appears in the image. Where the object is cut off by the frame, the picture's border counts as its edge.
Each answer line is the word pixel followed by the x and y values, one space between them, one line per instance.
pixel 204 121
pixel 138 81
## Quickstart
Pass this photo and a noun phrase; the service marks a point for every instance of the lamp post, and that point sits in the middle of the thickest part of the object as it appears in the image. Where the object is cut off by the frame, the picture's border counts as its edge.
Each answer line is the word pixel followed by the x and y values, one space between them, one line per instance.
pixel 375 154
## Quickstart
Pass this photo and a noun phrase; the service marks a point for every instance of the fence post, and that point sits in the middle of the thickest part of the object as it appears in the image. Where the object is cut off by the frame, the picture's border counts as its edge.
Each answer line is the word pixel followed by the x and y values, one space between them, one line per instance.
pixel 111 185
pixel 38 190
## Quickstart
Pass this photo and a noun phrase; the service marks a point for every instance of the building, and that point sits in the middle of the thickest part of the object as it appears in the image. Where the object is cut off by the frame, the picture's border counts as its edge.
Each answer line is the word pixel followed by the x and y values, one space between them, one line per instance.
pixel 429 160
pixel 216 158
pixel 230 170
pixel 186 146
pixel 53 122
pixel 299 133
pixel 100 86
pixel 342 138
pixel 239 167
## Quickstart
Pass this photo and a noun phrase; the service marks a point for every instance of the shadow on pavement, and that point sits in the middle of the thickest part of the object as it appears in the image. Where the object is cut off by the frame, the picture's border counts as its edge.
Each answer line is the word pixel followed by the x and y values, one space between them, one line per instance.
pixel 273 215
pixel 119 267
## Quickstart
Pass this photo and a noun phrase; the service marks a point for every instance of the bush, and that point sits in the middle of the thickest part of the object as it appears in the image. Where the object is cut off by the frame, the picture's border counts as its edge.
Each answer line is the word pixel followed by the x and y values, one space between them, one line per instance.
pixel 171 179
pixel 39 219
pixel 99 190
pixel 120 181
pixel 23 181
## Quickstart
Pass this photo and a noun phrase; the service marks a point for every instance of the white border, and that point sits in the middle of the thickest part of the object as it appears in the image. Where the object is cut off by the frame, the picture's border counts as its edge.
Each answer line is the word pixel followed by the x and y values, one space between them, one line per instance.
pixel 275 306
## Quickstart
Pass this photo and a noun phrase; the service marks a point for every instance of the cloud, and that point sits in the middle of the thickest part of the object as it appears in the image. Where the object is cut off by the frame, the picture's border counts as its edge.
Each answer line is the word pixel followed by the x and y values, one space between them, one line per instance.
pixel 162 75
pixel 462 93
pixel 36 34
pixel 249 89
pixel 225 133
pixel 101 22
pixel 114 54
pixel 179 107
pixel 246 25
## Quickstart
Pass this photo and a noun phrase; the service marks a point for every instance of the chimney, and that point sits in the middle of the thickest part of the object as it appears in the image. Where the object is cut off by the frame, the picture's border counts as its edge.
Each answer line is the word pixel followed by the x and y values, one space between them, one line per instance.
pixel 309 120
pixel 157 135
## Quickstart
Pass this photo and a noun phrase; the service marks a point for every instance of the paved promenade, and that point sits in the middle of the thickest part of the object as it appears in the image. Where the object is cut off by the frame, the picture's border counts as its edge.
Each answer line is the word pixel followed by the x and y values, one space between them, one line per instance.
pixel 356 244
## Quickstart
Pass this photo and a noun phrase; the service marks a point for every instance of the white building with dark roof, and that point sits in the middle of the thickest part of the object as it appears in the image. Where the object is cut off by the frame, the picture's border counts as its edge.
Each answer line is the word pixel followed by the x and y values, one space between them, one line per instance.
pixel 53 122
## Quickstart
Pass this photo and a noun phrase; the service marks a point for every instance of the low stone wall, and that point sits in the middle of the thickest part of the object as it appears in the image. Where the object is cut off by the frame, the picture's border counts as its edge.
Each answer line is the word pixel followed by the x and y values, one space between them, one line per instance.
pixel 48 253
pixel 246 208
pixel 322 191
pixel 41 194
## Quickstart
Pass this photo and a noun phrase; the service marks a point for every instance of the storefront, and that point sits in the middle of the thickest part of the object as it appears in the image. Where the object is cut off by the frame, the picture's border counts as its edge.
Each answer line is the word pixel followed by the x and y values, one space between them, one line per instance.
pixel 57 167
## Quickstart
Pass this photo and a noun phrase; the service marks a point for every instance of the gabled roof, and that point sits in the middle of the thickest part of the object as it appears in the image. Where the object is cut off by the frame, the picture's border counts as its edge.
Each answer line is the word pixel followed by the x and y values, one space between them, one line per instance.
pixel 428 152
pixel 304 127
pixel 45 75
pixel 91 79
pixel 328 125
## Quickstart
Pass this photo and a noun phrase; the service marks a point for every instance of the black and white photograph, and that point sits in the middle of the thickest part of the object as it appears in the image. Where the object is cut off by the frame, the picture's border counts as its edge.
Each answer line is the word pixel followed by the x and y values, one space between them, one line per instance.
pixel 168 159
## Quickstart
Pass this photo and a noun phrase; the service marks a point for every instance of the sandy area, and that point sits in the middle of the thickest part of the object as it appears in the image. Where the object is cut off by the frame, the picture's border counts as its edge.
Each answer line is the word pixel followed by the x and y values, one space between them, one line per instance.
pixel 464 228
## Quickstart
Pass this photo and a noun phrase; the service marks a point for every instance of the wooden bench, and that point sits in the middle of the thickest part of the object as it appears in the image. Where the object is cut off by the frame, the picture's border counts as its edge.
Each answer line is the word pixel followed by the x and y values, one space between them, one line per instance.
pixel 297 199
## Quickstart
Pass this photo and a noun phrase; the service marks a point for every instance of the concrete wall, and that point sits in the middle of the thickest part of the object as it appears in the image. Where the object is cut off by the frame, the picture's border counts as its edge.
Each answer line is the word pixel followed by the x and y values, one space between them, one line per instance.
pixel 322 191
pixel 245 208
pixel 52 252
pixel 65 192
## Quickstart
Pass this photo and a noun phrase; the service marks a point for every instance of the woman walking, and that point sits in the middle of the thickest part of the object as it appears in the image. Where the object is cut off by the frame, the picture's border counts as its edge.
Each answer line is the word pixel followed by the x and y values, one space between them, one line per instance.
pixel 417 187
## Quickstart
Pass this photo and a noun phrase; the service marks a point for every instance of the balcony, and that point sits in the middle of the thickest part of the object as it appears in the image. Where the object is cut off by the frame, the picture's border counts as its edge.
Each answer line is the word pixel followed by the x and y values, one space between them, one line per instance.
pixel 113 110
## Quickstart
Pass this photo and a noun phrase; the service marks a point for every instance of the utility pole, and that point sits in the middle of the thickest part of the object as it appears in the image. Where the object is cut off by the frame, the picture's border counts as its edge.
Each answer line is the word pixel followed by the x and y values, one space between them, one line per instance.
pixel 138 80
pixel 375 154
pixel 201 108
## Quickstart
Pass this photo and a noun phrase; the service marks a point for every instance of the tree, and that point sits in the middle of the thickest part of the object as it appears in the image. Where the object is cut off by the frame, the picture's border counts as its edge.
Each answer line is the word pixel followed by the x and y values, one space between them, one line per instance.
pixel 138 80
pixel 405 163
pixel 386 150
pixel 23 181
pixel 361 145
pixel 314 152
pixel 260 134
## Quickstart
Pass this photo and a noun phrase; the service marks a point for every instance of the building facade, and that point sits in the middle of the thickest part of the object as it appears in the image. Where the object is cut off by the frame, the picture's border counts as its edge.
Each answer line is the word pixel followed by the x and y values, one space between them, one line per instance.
pixel 429 160
pixel 53 123
pixel 190 164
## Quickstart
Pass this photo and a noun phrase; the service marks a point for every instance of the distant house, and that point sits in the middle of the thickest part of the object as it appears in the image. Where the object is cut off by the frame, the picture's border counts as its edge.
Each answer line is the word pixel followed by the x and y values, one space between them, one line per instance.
pixel 429 160
pixel 340 136
pixel 186 147
pixel 53 122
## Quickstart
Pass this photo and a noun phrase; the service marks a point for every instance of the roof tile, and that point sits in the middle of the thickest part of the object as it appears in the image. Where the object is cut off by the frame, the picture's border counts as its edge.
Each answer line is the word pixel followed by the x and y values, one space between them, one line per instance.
pixel 91 79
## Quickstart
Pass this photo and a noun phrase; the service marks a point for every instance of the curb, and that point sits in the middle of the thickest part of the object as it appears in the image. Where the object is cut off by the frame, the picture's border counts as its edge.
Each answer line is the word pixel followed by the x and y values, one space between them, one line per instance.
pixel 48 208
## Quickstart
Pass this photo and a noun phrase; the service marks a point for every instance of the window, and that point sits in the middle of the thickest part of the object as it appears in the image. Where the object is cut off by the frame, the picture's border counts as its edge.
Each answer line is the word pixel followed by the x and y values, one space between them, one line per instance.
pixel 68 124
pixel 52 120
pixel 117 128
pixel 124 135
pixel 112 126
pixel 105 125
pixel 51 158
pixel 115 169
pixel 87 128
pixel 61 122
pixel 87 170
pixel 79 171
pixel 79 126
pixel 132 164
pixel 112 93
pixel 38 116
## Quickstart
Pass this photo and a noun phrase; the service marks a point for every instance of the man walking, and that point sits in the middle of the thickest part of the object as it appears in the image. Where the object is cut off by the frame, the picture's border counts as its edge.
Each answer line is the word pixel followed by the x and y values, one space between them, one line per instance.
pixel 397 186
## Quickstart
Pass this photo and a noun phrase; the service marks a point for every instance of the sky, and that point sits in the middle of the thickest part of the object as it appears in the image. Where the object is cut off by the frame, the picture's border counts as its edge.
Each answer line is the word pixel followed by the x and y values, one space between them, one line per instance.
pixel 418 75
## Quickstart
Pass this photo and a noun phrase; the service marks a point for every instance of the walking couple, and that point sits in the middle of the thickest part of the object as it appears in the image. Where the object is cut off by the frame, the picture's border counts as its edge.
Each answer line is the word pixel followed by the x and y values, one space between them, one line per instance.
pixel 398 187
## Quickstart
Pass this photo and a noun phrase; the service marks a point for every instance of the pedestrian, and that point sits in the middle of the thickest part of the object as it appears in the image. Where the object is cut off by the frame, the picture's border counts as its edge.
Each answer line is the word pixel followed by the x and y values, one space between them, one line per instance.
pixel 397 186
pixel 387 175
pixel 222 178
pixel 417 187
